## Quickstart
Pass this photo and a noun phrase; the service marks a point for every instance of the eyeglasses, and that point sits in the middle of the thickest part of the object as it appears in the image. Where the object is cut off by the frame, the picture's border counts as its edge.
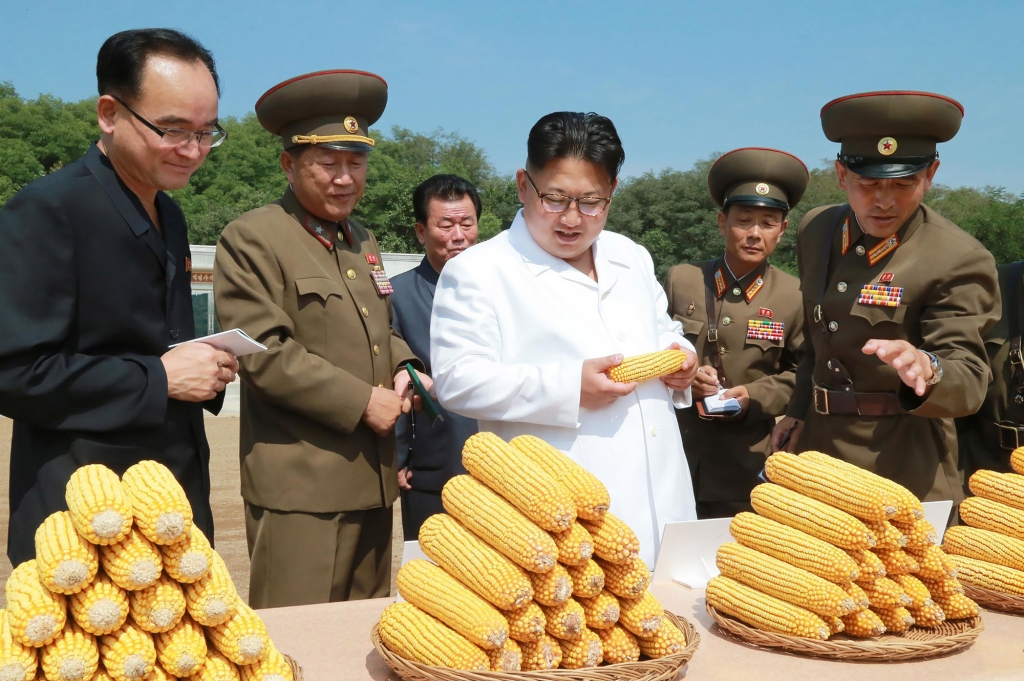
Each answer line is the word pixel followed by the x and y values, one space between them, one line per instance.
pixel 174 137
pixel 557 203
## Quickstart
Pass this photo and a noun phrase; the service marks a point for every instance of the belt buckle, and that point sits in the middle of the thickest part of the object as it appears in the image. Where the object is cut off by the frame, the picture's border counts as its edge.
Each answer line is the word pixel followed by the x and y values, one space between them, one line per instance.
pixel 1005 429
pixel 816 313
pixel 1015 357
pixel 712 335
pixel 824 394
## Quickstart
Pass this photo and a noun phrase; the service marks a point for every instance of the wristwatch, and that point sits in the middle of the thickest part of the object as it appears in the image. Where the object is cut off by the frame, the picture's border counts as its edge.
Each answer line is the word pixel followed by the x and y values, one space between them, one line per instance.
pixel 936 369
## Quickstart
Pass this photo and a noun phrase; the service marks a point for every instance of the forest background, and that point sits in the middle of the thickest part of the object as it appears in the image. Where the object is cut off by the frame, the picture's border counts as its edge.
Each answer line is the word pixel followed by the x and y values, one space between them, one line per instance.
pixel 669 212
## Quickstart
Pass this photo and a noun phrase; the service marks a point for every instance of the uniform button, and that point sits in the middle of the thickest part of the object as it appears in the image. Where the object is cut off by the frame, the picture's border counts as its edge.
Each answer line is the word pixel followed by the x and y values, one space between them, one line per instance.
pixel 736 291
pixel 351 274
pixel 366 313
pixel 1019 399
pixel 376 349
pixel 721 350
pixel 860 250
pixel 833 326
pixel 623 336
pixel 174 334
pixel 841 286
pixel 727 321
pixel 380 385
pixel 654 431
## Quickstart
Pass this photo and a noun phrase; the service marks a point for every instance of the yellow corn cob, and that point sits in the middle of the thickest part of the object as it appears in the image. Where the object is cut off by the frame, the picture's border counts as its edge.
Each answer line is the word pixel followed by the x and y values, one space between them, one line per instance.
pixel 484 513
pixel 886 534
pixel 507 658
pixel 816 518
pixel 188 560
pixel 213 598
pixel 587 579
pixel 920 535
pixel 219 668
pixel 641 616
pixel 885 593
pixel 908 506
pixel 552 587
pixel 957 606
pixel 863 623
pixel 575 545
pixel 242 638
pixel 601 611
pixel 992 515
pixel 101 607
pixel 835 624
pixel 869 565
pixel 618 645
pixel 1006 488
pixel 898 562
pixel 584 651
pixel 949 585
pixel 181 650
pixel 491 575
pixel 859 596
pixel 72 656
pixel 1017 460
pixel 133 563
pixel 565 621
pixel 159 606
pixel 932 563
pixel 970 571
pixel 542 654
pixel 830 485
pixel 640 368
pixel 102 675
pixel 929 616
pixel 526 624
pixel 128 654
pixel 274 667
pixel 159 504
pixel 984 545
pixel 613 540
pixel 915 590
pixel 35 614
pixel 17 661
pixel 511 474
pixel 99 507
pixel 413 634
pixel 437 593
pixel 66 561
pixel 588 493
pixel 667 640
pixel 628 580
pixel 794 547
pixel 896 620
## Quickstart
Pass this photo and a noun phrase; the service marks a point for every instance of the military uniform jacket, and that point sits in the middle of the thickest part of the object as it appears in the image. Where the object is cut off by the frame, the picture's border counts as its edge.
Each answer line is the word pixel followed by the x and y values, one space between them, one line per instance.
pixel 948 300
pixel 91 295
pixel 303 288
pixel 760 331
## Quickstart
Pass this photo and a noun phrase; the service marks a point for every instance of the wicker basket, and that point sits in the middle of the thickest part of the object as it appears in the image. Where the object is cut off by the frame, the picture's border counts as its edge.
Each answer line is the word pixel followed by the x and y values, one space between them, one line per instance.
pixel 916 644
pixel 296 669
pixel 662 669
pixel 995 600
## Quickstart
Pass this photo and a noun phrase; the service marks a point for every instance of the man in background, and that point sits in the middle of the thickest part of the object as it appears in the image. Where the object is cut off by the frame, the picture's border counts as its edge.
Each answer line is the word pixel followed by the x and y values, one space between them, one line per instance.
pixel 447 209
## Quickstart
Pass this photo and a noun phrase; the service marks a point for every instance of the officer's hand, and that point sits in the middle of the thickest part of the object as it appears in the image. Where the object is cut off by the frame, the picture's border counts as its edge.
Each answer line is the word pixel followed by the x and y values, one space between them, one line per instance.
pixel 786 434
pixel 740 394
pixel 681 379
pixel 404 476
pixel 383 409
pixel 196 372
pixel 705 383
pixel 404 388
pixel 596 389
pixel 913 366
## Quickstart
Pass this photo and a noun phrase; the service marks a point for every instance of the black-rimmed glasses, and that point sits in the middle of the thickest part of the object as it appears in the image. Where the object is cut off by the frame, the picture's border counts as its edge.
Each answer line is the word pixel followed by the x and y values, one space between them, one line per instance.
pixel 175 137
pixel 591 206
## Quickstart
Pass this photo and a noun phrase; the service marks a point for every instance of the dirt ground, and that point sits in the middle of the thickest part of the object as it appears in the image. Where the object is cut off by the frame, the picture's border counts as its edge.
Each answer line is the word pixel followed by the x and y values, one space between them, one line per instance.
pixel 226 500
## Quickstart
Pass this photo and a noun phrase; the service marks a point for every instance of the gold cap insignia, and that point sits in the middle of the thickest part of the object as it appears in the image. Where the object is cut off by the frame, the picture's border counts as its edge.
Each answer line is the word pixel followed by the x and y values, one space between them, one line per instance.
pixel 351 124
pixel 887 146
pixel 761 189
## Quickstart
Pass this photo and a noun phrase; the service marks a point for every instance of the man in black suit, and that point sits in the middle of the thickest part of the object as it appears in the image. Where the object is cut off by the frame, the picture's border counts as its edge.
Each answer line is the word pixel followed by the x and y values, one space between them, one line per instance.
pixel 447 209
pixel 95 286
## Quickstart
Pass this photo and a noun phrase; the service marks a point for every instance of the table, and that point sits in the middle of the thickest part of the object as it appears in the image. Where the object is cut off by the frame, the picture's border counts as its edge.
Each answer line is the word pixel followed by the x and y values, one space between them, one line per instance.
pixel 332 642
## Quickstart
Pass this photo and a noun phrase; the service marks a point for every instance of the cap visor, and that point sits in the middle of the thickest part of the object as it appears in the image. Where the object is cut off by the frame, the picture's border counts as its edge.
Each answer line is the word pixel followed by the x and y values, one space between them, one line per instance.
pixel 886 171
pixel 762 201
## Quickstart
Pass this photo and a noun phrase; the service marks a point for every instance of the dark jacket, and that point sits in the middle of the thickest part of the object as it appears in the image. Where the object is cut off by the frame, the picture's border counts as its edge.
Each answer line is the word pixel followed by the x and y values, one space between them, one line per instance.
pixel 433 452
pixel 91 295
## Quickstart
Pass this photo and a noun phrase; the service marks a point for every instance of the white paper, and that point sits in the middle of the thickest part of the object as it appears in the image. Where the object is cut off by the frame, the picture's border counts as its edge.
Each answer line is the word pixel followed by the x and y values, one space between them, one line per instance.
pixel 937 513
pixel 716 404
pixel 235 341
pixel 688 549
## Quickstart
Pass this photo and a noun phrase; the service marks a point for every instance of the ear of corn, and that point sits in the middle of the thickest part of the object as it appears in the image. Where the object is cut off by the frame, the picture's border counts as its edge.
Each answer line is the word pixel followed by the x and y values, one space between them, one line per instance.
pixel 212 599
pixel 667 640
pixel 584 651
pixel 415 635
pixel 929 616
pixel 35 614
pixel 552 587
pixel 641 616
pixel 437 593
pixel 158 607
pixel 957 606
pixel 507 658
pixel 588 579
pixel 565 621
pixel 188 560
pixel 830 485
pixel 133 563
pixel 181 650
pixel 72 656
pixel 885 593
pixel 931 562
pixel 526 624
pixel 66 561
pixel 985 545
pixel 864 623
pixel 588 493
pixel 613 540
pixel 859 596
pixel 835 624
pixel 618 645
pixel 575 545
pixel 1017 460
pixel 17 661
pixel 908 506
pixel 101 607
pixel 242 638
pixel 510 473
pixel 128 654
pixel 219 668
pixel 979 573
pixel 542 654
pixel 915 589
pixel 161 509
pixel 601 611
pixel 920 535
pixel 272 668
pixel 869 565
pixel 628 580
pixel 99 507
pixel 816 518
pixel 949 585
pixel 898 562
pixel 640 368
pixel 1006 488
pixel 886 534
pixel 993 515
pixel 491 575
pixel 794 547
pixel 896 620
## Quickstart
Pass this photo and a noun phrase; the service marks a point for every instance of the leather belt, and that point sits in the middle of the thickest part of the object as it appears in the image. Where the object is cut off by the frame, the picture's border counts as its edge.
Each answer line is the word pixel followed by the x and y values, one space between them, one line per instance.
pixel 849 403
pixel 1011 435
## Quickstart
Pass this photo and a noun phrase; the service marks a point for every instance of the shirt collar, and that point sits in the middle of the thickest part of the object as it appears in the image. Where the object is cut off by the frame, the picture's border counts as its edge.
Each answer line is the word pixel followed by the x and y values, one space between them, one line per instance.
pixel 427 271
pixel 538 260
pixel 324 231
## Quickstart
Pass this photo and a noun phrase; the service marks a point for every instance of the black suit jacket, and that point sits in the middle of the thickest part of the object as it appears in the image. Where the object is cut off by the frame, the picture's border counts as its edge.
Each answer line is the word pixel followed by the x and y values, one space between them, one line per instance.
pixel 91 295
pixel 433 452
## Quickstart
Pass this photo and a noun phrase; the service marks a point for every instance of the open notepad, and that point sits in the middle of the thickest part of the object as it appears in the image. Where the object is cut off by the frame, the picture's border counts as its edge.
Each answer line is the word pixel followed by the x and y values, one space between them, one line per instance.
pixel 716 404
pixel 235 341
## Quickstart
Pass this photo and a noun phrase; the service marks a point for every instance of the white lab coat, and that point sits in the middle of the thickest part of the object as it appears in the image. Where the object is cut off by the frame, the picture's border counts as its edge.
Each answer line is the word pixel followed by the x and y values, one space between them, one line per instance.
pixel 510 328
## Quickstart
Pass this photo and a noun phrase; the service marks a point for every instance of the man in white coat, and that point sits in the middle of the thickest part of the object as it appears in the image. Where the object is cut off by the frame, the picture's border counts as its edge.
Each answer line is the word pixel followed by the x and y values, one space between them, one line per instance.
pixel 525 325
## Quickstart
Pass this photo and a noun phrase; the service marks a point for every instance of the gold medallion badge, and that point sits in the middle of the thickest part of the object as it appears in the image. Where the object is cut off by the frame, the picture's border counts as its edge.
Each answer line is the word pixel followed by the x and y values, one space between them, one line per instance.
pixel 887 146
pixel 351 124
pixel 761 189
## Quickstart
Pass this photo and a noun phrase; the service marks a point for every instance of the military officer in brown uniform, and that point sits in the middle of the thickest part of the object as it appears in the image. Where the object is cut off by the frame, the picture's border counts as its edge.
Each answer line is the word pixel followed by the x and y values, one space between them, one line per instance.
pixel 897 300
pixel 745 319
pixel 318 407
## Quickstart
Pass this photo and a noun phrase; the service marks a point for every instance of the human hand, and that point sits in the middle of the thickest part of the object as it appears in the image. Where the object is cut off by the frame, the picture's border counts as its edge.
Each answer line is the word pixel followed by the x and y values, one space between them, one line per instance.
pixel 405 389
pixel 404 476
pixel 913 366
pixel 705 382
pixel 681 379
pixel 383 409
pixel 741 395
pixel 786 434
pixel 596 389
pixel 196 372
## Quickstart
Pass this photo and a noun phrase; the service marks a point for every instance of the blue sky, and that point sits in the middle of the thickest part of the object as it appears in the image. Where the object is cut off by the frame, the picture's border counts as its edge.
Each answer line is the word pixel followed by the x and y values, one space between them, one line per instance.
pixel 681 80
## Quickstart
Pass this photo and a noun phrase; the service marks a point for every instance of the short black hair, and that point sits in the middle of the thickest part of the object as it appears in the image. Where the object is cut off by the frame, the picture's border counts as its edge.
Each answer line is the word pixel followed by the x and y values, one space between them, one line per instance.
pixel 444 188
pixel 122 58
pixel 570 134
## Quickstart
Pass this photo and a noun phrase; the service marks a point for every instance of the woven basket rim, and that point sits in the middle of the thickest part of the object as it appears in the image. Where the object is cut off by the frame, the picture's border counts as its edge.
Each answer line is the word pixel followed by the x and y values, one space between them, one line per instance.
pixel 660 669
pixel 994 600
pixel 294 666
pixel 885 648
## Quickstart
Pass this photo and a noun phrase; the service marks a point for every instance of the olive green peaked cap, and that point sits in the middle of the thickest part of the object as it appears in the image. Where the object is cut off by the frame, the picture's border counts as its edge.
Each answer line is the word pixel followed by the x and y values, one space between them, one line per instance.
pixel 755 176
pixel 890 134
pixel 331 108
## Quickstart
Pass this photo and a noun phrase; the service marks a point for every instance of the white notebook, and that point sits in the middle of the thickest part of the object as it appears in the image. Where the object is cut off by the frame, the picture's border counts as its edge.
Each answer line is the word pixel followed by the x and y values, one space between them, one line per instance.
pixel 716 404
pixel 235 341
